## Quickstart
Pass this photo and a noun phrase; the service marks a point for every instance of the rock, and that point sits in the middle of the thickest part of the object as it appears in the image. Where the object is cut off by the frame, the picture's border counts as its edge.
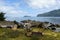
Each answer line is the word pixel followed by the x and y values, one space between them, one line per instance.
pixel 37 33
pixel 40 24
pixel 28 34
pixel 57 25
pixel 20 25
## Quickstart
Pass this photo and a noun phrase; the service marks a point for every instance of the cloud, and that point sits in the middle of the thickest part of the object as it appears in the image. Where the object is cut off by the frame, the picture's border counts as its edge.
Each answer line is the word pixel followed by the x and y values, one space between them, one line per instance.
pixel 43 4
pixel 11 9
pixel 17 8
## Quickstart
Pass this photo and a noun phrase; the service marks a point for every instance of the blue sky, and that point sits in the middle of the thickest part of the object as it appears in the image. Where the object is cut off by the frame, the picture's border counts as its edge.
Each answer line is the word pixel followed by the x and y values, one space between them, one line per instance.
pixel 18 8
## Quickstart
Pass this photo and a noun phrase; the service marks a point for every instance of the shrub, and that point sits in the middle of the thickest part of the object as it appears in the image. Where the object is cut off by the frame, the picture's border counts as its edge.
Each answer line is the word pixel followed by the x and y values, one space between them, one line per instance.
pixel 12 34
pixel 47 37
pixel 34 37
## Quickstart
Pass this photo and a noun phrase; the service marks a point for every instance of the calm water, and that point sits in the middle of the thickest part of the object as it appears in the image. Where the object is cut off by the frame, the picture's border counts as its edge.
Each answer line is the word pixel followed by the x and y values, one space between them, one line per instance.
pixel 55 20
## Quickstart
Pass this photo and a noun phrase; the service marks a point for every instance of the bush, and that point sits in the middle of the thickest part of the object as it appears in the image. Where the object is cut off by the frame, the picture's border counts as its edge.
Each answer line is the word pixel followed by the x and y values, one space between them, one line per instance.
pixel 12 34
pixel 46 37
pixel 7 34
pixel 34 37
pixel 3 38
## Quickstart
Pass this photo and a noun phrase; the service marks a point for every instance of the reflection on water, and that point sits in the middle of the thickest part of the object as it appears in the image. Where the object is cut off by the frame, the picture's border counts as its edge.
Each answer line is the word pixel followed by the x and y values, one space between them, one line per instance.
pixel 48 19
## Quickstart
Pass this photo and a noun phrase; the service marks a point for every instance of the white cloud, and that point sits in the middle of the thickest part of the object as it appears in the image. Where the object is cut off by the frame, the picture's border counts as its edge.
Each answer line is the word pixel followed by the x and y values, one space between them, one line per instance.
pixel 44 3
pixel 11 9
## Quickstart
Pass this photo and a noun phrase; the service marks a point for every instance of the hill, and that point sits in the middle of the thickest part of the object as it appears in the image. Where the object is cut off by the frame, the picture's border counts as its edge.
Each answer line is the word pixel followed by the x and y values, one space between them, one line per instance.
pixel 54 13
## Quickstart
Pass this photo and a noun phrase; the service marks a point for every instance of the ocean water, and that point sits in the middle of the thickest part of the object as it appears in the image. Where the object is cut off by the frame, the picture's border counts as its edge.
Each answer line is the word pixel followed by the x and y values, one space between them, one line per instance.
pixel 55 20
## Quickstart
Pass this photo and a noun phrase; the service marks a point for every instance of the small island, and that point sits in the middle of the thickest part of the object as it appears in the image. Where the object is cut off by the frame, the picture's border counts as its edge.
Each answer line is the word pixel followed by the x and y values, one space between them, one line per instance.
pixel 27 16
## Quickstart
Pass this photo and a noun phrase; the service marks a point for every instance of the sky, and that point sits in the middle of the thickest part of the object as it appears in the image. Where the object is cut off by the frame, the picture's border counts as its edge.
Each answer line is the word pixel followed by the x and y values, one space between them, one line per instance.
pixel 19 8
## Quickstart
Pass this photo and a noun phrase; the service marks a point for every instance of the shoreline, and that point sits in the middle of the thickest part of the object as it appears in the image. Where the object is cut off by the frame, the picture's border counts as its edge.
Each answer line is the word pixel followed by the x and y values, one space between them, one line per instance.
pixel 43 19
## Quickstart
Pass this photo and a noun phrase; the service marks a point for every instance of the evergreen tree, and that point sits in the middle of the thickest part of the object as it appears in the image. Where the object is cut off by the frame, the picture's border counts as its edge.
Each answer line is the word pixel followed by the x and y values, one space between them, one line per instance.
pixel 2 18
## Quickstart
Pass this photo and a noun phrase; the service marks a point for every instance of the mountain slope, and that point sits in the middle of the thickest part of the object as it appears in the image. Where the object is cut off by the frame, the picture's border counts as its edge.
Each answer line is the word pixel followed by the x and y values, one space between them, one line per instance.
pixel 54 13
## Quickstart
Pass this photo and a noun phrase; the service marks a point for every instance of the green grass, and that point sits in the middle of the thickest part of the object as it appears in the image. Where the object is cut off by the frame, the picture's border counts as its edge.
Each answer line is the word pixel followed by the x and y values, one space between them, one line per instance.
pixel 19 34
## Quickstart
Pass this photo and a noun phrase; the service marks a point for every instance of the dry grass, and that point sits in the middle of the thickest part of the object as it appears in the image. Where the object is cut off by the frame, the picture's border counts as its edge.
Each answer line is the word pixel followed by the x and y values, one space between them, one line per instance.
pixel 8 34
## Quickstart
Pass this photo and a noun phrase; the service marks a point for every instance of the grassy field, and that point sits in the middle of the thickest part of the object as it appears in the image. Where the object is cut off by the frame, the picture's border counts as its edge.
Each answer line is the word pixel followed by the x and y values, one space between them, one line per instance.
pixel 19 34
